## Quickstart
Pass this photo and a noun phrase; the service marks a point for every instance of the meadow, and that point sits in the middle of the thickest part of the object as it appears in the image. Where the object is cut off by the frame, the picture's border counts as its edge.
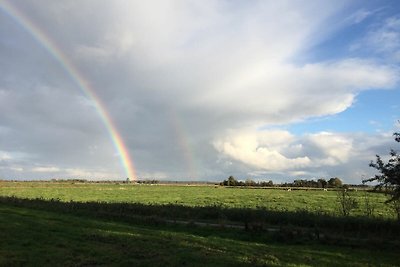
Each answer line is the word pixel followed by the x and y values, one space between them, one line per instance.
pixel 115 224
pixel 317 201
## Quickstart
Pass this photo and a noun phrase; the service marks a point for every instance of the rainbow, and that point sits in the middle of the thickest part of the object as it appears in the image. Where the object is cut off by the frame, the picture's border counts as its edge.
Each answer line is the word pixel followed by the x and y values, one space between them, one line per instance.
pixel 184 144
pixel 79 79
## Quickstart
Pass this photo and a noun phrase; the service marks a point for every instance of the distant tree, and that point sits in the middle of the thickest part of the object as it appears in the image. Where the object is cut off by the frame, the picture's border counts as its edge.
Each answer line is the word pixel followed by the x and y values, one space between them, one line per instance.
pixel 269 183
pixel 250 182
pixel 232 181
pixel 322 183
pixel 389 177
pixel 298 183
pixel 335 182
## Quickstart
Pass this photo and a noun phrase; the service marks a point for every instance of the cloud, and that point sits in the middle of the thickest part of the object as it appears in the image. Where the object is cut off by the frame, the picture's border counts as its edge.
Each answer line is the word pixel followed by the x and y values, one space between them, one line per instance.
pixel 334 148
pixel 90 174
pixel 175 76
pixel 262 150
pixel 45 169
pixel 382 39
pixel 326 154
pixel 359 16
pixel 278 150
pixel 4 155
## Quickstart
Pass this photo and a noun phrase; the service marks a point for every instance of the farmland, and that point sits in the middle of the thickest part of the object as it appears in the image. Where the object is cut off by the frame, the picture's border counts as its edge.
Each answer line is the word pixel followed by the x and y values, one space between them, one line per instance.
pixel 80 224
pixel 317 201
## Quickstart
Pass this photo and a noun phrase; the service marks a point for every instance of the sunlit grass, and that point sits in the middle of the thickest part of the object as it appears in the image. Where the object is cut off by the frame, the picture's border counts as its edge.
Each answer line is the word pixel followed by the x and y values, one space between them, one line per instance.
pixel 317 201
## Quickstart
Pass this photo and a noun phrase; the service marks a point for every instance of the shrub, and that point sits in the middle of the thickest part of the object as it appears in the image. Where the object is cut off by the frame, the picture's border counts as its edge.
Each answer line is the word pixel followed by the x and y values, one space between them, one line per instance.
pixel 346 202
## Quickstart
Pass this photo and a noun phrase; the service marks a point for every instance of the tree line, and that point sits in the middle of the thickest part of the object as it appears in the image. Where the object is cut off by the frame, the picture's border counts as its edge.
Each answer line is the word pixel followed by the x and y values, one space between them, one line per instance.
pixel 232 181
pixel 334 182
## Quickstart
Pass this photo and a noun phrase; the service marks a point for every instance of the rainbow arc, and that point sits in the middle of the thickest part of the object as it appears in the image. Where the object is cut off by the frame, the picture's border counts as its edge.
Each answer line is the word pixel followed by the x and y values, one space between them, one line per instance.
pixel 80 81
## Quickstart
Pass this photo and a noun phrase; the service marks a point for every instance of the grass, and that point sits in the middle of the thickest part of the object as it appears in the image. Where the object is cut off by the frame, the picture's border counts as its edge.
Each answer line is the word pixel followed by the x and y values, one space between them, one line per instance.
pixel 82 224
pixel 316 201
pixel 31 237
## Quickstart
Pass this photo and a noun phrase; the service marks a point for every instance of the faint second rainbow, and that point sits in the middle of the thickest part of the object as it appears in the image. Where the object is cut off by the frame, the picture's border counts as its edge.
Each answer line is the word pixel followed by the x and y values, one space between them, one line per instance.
pixel 78 78
pixel 184 143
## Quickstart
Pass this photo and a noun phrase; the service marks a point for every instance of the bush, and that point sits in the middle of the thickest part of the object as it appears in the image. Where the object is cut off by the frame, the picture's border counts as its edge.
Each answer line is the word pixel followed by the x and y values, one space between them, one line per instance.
pixel 346 202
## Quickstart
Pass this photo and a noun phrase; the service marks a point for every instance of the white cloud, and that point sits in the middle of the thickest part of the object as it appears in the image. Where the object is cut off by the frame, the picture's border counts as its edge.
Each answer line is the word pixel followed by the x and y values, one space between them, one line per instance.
pixel 5 156
pixel 383 39
pixel 359 16
pixel 90 174
pixel 335 148
pixel 12 168
pixel 280 151
pixel 46 169
pixel 324 154
pixel 386 38
pixel 266 150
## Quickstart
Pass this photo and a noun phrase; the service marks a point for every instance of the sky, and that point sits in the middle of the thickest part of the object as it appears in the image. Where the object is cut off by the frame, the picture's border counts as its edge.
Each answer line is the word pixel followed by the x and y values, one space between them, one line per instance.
pixel 197 90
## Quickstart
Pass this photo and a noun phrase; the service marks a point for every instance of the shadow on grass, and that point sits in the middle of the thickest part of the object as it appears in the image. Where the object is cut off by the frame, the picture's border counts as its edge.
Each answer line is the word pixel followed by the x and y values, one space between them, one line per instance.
pixel 50 232
pixel 286 225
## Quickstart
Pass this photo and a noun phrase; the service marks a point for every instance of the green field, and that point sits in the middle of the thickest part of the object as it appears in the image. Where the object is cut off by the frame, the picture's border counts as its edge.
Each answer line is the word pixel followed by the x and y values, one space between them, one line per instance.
pixel 318 201
pixel 88 224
